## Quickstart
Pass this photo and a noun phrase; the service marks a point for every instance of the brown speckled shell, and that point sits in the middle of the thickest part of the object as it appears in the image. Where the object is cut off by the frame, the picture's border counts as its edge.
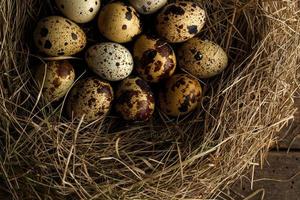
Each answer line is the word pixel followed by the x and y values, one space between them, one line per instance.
pixel 58 36
pixel 203 59
pixel 119 22
pixel 134 100
pixel 148 6
pixel 154 58
pixel 180 21
pixel 79 11
pixel 90 97
pixel 180 95
pixel 59 78
pixel 111 61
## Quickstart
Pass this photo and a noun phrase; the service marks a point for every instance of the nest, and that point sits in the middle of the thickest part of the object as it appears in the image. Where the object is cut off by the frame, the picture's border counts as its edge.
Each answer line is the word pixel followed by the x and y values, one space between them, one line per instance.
pixel 46 156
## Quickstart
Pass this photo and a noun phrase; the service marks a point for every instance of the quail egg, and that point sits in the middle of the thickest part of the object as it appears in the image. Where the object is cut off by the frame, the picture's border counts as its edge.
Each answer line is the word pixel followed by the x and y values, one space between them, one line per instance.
pixel 56 78
pixel 79 11
pixel 91 98
pixel 180 21
pixel 148 6
pixel 154 58
pixel 111 61
pixel 119 22
pixel 202 58
pixel 58 36
pixel 180 95
pixel 134 100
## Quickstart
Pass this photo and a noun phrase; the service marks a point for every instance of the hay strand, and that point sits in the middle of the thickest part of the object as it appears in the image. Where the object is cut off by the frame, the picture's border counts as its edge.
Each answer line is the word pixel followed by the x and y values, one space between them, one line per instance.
pixel 45 156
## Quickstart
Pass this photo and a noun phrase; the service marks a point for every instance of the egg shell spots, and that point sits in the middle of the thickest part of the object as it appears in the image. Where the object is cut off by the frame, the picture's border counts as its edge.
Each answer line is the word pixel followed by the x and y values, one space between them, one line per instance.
pixel 119 23
pixel 90 97
pixel 58 36
pixel 180 21
pixel 79 11
pixel 148 6
pixel 134 100
pixel 154 58
pixel 203 59
pixel 180 95
pixel 111 61
pixel 59 77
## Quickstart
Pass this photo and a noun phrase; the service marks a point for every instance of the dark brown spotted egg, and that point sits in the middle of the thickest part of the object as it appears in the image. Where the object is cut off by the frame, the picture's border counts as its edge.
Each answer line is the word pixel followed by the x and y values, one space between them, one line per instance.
pixel 119 22
pixel 180 95
pixel 109 60
pixel 58 36
pixel 148 6
pixel 180 21
pixel 202 58
pixel 134 100
pixel 90 98
pixel 56 78
pixel 79 11
pixel 154 58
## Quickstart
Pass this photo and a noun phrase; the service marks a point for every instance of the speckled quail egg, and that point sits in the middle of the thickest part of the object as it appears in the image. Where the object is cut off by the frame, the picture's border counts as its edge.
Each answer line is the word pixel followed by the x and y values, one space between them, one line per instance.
pixel 58 36
pixel 154 58
pixel 79 11
pixel 91 98
pixel 202 58
pixel 119 22
pixel 134 100
pixel 180 95
pixel 180 21
pixel 148 6
pixel 111 61
pixel 56 77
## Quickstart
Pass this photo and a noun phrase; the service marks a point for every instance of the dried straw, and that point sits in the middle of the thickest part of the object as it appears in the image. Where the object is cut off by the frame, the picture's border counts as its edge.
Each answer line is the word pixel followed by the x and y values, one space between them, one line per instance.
pixel 45 156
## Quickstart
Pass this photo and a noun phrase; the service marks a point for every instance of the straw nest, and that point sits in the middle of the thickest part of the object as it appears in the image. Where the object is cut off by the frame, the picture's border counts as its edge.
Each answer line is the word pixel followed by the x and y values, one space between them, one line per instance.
pixel 45 156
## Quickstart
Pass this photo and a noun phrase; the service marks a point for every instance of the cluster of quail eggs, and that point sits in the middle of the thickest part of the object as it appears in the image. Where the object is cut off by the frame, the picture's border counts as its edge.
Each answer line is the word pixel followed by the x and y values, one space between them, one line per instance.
pixel 149 61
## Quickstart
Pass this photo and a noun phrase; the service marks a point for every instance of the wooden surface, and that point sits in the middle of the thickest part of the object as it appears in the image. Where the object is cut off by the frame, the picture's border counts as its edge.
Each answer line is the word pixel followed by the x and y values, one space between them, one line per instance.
pixel 280 177
pixel 278 180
